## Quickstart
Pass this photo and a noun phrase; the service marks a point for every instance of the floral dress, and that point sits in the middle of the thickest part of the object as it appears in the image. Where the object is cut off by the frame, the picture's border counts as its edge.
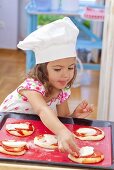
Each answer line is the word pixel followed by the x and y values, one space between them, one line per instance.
pixel 15 102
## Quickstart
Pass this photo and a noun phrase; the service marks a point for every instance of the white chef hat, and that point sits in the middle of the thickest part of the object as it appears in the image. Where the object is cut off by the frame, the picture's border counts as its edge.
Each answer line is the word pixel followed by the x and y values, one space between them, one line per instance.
pixel 53 41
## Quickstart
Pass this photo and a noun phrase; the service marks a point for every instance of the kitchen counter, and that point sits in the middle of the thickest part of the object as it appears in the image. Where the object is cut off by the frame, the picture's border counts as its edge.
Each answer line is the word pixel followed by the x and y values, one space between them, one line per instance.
pixel 15 166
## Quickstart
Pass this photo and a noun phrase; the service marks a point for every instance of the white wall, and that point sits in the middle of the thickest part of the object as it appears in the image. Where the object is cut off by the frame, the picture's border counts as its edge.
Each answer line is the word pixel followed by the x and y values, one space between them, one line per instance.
pixel 22 19
pixel 13 22
pixel 8 23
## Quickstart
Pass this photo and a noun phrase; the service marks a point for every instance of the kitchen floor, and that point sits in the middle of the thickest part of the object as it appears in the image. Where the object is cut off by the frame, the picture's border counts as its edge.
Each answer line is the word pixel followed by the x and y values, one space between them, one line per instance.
pixel 12 72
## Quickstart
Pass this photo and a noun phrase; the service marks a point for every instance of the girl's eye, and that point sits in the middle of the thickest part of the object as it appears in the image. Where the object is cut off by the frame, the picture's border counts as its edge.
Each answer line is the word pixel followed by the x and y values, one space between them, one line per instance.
pixel 57 69
pixel 71 68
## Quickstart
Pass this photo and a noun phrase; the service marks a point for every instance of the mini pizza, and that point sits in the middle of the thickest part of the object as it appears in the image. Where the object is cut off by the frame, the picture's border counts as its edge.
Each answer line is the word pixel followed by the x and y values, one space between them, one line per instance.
pixel 89 133
pixel 87 155
pixel 12 147
pixel 46 141
pixel 20 129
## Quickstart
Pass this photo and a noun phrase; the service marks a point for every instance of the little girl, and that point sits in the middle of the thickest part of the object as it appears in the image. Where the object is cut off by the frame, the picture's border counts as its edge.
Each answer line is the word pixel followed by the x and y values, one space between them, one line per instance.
pixel 47 87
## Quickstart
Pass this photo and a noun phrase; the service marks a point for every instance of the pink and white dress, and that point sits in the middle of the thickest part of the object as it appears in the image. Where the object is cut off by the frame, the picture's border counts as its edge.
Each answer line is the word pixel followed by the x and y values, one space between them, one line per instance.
pixel 15 102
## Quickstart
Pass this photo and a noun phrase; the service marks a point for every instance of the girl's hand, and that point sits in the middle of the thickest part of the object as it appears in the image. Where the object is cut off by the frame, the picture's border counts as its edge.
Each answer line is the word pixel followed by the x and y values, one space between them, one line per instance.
pixel 66 142
pixel 83 110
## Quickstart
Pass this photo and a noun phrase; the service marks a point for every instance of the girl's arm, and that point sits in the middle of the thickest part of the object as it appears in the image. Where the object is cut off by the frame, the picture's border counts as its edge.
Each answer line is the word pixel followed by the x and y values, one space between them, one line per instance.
pixel 63 109
pixel 82 110
pixel 66 140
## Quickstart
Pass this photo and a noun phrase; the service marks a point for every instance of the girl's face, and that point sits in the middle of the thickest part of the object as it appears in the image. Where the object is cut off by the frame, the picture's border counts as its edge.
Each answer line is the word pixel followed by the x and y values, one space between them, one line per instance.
pixel 60 72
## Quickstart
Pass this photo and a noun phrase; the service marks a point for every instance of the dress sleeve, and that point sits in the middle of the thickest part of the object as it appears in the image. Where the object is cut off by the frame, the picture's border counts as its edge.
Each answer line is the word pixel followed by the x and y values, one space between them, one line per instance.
pixel 31 84
pixel 64 95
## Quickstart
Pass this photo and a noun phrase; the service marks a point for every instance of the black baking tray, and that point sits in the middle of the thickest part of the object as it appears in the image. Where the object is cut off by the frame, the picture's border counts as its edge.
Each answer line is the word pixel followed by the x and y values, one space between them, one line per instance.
pixel 86 122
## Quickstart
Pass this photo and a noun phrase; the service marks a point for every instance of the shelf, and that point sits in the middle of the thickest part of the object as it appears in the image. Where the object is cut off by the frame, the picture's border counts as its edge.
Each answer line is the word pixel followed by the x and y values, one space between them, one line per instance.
pixel 85 44
pixel 31 9
pixel 93 42
pixel 90 66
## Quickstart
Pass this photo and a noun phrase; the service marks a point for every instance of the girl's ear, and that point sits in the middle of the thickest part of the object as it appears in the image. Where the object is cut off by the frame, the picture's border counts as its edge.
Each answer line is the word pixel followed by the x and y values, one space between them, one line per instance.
pixel 43 73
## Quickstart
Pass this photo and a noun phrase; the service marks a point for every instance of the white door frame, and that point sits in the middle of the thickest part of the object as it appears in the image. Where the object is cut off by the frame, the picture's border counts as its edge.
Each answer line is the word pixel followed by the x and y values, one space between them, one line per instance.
pixel 107 64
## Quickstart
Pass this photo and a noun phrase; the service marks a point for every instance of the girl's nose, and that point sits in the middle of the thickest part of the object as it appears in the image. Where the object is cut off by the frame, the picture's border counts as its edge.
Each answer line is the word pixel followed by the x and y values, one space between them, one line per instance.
pixel 65 73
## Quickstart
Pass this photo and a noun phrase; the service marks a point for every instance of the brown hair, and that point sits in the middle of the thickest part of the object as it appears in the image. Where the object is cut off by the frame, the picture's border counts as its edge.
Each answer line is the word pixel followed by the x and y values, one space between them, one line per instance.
pixel 39 72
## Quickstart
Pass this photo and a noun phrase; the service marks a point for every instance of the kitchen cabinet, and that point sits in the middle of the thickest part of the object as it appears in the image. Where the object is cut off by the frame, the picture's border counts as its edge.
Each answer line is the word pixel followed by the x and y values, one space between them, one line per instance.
pixel 32 24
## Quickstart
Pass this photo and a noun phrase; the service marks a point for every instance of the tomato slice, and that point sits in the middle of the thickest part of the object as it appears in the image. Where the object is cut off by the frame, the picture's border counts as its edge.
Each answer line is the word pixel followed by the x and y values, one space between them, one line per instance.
pixel 98 132
pixel 20 130
pixel 14 149
pixel 55 144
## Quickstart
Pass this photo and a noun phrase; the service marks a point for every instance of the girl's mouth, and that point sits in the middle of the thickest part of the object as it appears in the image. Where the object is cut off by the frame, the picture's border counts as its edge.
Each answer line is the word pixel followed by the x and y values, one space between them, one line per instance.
pixel 63 83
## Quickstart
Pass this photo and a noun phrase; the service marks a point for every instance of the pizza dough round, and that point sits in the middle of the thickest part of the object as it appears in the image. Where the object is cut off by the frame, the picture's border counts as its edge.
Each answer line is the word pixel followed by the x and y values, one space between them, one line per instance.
pixel 20 129
pixel 46 141
pixel 12 147
pixel 88 156
pixel 89 133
